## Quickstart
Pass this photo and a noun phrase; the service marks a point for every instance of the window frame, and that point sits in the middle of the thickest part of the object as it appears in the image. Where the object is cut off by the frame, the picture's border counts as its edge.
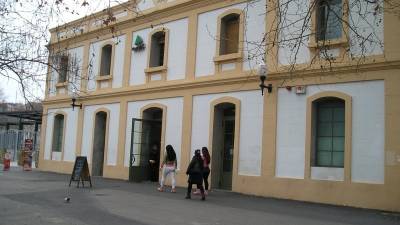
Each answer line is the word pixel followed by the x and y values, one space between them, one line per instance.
pixel 309 158
pixel 161 70
pixel 232 56
pixel 108 45
pixel 341 41
pixel 315 129
pixel 105 78
pixel 62 137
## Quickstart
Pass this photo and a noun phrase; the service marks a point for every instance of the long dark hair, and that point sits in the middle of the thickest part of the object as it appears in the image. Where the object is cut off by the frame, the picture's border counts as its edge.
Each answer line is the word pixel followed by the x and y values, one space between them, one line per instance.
pixel 171 156
pixel 206 154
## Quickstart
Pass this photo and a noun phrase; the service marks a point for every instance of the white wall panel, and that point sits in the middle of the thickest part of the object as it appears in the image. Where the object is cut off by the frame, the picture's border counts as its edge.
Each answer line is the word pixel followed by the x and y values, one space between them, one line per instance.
pixel 367 163
pixel 177 47
pixel 95 61
pixel 113 132
pixel 173 131
pixel 74 74
pixel 71 127
pixel 250 128
pixel 207 31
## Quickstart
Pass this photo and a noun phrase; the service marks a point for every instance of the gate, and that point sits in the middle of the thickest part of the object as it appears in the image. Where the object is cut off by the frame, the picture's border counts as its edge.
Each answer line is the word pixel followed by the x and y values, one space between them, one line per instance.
pixel 13 141
pixel 140 148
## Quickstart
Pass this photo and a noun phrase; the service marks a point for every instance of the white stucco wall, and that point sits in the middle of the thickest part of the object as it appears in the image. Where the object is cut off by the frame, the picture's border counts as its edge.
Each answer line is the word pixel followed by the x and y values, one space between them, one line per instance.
pixel 149 4
pixel 177 47
pixel 74 72
pixel 362 20
pixel 367 160
pixel 251 110
pixel 71 127
pixel 207 30
pixel 173 130
pixel 113 132
pixel 95 60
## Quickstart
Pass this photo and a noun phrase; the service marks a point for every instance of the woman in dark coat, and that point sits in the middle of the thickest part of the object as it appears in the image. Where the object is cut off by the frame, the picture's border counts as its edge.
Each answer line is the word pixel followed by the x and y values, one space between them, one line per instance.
pixel 195 172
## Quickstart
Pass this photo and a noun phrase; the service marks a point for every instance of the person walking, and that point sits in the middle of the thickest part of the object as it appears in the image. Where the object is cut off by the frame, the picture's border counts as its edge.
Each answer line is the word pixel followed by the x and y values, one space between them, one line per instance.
pixel 168 167
pixel 206 164
pixel 195 172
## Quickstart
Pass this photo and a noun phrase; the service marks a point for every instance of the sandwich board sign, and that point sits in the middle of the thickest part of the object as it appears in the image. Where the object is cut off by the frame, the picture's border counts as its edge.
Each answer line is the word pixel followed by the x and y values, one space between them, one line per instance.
pixel 80 173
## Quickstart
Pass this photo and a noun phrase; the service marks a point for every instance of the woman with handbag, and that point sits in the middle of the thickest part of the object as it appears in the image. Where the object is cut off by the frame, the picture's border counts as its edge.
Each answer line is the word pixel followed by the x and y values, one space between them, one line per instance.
pixel 168 167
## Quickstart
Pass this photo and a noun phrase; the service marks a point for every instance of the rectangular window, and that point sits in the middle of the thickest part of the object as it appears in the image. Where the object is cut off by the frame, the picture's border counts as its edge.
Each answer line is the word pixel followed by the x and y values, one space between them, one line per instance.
pixel 63 69
pixel 329 18
pixel 58 133
pixel 330 133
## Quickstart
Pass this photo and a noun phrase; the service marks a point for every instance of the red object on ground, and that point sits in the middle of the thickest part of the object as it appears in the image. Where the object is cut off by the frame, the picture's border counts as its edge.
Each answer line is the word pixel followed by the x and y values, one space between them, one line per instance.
pixel 6 163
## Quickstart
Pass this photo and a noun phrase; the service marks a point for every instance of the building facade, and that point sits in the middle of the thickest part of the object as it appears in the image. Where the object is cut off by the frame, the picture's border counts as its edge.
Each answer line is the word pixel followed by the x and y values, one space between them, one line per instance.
pixel 183 72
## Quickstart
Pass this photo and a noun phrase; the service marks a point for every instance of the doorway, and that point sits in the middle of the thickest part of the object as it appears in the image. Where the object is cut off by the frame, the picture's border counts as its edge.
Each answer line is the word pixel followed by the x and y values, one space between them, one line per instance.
pixel 145 146
pixel 223 146
pixel 99 142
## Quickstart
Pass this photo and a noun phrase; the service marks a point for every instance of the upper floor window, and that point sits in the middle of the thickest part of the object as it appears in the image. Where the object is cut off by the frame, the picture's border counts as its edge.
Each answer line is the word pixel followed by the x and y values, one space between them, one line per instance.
pixel 63 68
pixel 157 49
pixel 58 133
pixel 329 17
pixel 106 57
pixel 329 132
pixel 229 36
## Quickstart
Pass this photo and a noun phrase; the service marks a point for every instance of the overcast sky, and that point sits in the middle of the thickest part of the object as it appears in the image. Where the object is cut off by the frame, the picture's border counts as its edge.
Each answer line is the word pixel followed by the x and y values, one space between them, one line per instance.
pixel 11 88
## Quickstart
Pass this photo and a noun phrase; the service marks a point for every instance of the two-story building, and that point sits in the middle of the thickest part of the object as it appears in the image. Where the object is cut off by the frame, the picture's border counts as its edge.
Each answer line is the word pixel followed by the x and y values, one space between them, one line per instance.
pixel 183 72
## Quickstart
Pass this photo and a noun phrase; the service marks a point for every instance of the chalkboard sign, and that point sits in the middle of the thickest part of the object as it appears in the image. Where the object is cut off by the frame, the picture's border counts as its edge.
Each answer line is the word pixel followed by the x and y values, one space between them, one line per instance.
pixel 80 171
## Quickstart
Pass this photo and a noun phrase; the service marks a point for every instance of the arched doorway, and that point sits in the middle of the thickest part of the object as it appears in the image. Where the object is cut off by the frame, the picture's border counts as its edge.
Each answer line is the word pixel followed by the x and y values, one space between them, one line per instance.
pixel 223 145
pixel 146 145
pixel 99 141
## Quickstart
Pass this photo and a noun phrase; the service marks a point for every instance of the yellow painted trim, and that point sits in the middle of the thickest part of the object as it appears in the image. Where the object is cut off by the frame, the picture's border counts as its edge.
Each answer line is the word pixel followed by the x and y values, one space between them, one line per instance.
pixel 127 59
pixel 108 113
pixel 191 46
pixel 79 132
pixel 348 127
pixel 85 66
pixel 43 132
pixel 235 166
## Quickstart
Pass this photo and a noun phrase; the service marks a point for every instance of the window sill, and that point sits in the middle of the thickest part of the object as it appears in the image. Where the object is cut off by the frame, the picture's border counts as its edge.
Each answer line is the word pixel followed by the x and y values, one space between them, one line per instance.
pixel 61 85
pixel 228 57
pixel 333 42
pixel 155 69
pixel 104 77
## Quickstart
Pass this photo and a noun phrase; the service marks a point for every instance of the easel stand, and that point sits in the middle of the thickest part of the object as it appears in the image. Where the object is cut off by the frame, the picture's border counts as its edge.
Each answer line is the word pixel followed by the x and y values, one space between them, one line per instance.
pixel 80 173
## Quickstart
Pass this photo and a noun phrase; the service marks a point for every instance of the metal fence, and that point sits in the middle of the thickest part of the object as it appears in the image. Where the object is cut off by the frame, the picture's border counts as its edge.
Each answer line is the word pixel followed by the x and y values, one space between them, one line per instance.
pixel 13 141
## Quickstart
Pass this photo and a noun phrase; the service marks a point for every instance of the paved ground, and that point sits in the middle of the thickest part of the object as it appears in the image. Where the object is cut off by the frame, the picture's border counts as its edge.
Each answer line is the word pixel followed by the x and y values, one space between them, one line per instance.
pixel 36 198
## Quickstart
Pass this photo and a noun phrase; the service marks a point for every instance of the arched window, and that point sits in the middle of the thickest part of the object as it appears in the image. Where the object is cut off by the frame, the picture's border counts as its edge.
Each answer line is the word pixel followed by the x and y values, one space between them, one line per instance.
pixel 229 36
pixel 106 56
pixel 328 132
pixel 157 49
pixel 58 133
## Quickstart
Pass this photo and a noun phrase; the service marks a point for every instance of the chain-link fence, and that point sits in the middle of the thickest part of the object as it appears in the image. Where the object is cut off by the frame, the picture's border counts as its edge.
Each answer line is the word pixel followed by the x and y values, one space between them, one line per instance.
pixel 13 141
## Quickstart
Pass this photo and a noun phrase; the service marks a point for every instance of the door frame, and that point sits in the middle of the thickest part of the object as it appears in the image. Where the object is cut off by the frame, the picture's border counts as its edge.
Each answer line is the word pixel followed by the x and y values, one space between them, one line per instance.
pixel 236 102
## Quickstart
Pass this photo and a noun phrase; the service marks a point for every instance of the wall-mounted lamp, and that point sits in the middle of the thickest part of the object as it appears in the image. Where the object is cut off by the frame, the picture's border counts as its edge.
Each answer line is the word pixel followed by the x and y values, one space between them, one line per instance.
pixel 262 72
pixel 73 104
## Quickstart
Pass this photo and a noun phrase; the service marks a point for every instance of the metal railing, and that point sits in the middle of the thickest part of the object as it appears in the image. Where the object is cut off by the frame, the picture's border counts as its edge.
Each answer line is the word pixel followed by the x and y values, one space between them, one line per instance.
pixel 13 141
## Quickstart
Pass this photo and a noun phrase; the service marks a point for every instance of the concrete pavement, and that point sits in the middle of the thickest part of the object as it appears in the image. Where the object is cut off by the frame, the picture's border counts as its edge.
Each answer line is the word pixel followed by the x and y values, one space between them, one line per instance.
pixel 34 198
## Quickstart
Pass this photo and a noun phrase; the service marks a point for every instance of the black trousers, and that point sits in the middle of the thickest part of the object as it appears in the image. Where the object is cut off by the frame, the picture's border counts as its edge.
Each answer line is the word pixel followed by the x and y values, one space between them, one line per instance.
pixel 206 173
pixel 189 189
